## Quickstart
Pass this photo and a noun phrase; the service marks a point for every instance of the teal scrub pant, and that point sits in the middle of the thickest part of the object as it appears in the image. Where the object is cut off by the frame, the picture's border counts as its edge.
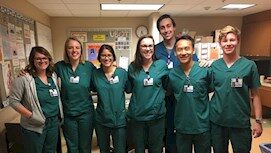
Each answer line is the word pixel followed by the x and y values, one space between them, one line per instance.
pixel 240 138
pixel 118 137
pixel 201 142
pixel 148 135
pixel 46 142
pixel 78 132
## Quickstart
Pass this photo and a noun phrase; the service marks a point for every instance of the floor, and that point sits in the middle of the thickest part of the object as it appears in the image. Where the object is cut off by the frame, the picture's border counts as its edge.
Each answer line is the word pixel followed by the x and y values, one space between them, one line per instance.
pixel 265 138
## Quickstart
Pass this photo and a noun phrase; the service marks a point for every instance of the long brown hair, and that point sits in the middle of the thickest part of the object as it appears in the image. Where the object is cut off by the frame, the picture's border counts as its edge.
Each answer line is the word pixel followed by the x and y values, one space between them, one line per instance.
pixel 31 69
pixel 138 61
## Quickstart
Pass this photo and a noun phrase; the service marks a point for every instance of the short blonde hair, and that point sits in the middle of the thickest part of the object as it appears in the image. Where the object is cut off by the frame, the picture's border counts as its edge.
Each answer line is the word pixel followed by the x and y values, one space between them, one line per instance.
pixel 65 55
pixel 229 29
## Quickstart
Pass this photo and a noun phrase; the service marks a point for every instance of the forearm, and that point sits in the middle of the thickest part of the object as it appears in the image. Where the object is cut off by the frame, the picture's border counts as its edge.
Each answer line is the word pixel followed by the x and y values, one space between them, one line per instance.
pixel 256 103
pixel 23 111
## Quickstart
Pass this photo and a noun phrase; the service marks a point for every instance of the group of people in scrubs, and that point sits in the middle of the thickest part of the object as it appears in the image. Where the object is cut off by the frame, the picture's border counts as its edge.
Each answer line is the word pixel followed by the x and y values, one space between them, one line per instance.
pixel 169 98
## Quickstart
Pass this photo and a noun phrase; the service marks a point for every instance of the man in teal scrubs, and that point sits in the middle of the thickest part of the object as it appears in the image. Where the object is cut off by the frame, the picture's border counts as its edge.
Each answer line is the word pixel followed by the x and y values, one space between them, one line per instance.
pixel 236 82
pixel 75 75
pixel 189 83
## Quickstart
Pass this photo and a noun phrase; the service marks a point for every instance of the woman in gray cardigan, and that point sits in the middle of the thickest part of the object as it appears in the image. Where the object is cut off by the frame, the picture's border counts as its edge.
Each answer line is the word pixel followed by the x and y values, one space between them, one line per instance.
pixel 36 97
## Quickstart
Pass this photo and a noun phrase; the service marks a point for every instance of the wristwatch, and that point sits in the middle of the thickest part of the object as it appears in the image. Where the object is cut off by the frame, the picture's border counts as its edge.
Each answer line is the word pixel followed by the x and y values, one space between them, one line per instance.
pixel 259 120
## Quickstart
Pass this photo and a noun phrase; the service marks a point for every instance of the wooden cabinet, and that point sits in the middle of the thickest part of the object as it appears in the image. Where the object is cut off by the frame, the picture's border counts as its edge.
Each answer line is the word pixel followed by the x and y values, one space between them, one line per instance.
pixel 256 34
pixel 265 94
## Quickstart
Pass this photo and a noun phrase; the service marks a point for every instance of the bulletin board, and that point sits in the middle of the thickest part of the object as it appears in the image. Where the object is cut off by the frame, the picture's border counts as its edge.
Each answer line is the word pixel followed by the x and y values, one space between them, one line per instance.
pixel 44 37
pixel 92 38
pixel 17 37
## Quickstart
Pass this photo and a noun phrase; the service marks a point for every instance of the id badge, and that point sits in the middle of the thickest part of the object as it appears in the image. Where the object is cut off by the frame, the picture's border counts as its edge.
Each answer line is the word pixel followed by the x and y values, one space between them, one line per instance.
pixel 114 80
pixel 74 79
pixel 53 92
pixel 236 82
pixel 188 88
pixel 148 82
pixel 170 65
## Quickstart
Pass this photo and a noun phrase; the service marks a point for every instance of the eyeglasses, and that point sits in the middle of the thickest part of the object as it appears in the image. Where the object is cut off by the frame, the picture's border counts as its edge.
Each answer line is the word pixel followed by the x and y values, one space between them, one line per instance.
pixel 106 56
pixel 147 46
pixel 41 59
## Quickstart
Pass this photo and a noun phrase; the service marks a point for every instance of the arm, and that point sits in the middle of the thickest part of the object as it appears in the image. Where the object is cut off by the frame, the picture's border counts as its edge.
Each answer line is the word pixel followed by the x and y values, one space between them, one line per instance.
pixel 23 111
pixel 16 97
pixel 256 103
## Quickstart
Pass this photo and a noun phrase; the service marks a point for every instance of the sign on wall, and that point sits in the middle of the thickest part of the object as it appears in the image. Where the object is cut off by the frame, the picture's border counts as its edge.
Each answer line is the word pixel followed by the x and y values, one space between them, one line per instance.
pixel 92 38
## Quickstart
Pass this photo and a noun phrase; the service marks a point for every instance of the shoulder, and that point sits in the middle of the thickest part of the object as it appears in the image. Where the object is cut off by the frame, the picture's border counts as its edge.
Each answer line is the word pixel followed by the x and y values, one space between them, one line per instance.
pixel 161 44
pixel 119 69
pixel 217 62
pixel 60 64
pixel 159 47
pixel 88 64
pixel 23 79
pixel 160 63
pixel 244 59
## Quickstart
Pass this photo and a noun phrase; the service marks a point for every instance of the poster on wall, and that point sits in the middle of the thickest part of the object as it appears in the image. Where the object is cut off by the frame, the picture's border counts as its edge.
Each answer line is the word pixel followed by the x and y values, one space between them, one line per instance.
pixel 5 40
pixel 119 38
pixel 208 51
pixel 1 49
pixel 27 33
pixel 81 36
pixel 92 50
pixel 7 76
pixel 44 37
pixel 20 42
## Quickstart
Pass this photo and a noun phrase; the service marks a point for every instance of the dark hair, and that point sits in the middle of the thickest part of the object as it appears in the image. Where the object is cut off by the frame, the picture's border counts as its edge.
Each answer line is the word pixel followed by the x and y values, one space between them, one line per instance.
pixel 186 37
pixel 137 63
pixel 164 16
pixel 66 57
pixel 109 48
pixel 31 69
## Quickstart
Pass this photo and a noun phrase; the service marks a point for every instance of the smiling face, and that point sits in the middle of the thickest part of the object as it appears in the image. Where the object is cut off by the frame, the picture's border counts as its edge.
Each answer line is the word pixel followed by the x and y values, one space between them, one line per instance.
pixel 229 44
pixel 146 49
pixel 73 50
pixel 166 29
pixel 41 62
pixel 106 58
pixel 184 51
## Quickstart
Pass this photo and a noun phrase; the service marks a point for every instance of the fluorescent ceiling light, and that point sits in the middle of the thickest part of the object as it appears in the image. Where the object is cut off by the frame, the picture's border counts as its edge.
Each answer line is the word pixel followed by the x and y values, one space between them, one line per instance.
pixel 237 6
pixel 137 7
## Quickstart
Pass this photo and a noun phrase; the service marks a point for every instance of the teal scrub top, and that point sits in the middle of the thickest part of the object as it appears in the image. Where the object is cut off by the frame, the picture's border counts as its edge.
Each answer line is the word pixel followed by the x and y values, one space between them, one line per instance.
pixel 48 103
pixel 192 108
pixel 76 97
pixel 147 102
pixel 230 106
pixel 110 110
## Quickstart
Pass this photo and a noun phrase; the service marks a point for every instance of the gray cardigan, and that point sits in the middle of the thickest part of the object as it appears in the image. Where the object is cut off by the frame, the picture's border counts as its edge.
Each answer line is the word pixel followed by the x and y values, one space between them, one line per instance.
pixel 24 93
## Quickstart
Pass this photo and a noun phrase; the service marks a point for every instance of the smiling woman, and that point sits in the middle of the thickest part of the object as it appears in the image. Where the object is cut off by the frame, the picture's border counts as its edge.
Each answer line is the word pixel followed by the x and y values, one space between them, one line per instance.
pixel 36 97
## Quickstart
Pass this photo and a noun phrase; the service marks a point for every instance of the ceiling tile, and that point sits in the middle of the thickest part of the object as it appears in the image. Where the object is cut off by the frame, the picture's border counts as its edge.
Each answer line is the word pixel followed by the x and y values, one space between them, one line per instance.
pixel 45 1
pixel 85 7
pixel 80 1
pixel 58 12
pixel 49 6
pixel 174 7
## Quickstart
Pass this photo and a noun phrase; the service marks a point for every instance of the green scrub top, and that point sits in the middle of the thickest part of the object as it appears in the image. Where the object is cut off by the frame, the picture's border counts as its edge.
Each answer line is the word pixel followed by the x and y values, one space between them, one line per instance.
pixel 230 106
pixel 192 108
pixel 147 102
pixel 48 103
pixel 110 110
pixel 76 97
